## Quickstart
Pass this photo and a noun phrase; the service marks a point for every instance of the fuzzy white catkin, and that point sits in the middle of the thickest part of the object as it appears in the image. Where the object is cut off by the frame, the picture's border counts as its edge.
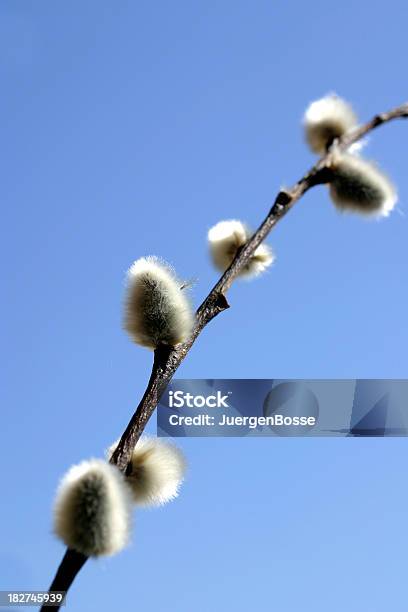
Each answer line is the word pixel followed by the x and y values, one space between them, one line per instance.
pixel 359 186
pixel 157 310
pixel 327 119
pixel 226 237
pixel 92 510
pixel 157 471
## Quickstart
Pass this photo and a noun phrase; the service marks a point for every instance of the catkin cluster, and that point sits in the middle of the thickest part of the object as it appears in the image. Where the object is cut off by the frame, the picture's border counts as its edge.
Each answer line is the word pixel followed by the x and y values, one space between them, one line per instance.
pixel 92 510
pixel 93 505
pixel 226 239
pixel 356 184
pixel 155 472
pixel 157 309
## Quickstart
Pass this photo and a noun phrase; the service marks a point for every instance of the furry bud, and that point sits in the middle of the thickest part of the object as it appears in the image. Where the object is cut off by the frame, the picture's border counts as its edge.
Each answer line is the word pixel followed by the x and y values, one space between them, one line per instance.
pixel 158 310
pixel 327 119
pixel 226 238
pixel 92 511
pixel 359 186
pixel 156 471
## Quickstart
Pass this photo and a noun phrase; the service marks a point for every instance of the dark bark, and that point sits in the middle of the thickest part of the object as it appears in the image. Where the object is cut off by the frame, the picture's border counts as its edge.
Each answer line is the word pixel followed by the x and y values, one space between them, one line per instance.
pixel 70 565
pixel 167 360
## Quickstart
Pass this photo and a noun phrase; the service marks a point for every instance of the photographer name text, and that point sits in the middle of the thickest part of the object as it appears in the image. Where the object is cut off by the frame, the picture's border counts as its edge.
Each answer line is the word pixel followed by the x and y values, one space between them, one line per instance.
pixel 277 420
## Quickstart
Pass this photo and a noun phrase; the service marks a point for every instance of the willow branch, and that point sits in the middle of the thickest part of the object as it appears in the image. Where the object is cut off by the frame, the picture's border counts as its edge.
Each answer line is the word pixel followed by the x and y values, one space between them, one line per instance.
pixel 168 359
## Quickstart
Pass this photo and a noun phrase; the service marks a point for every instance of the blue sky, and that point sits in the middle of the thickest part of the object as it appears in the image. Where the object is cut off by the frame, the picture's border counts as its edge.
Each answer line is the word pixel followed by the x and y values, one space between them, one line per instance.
pixel 129 129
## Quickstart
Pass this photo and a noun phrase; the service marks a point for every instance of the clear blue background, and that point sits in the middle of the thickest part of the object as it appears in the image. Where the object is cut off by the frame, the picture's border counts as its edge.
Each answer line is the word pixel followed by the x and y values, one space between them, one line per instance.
pixel 129 128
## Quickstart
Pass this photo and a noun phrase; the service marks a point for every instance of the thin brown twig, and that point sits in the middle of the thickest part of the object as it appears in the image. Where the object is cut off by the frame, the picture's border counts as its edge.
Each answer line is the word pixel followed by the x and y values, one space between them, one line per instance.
pixel 168 359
